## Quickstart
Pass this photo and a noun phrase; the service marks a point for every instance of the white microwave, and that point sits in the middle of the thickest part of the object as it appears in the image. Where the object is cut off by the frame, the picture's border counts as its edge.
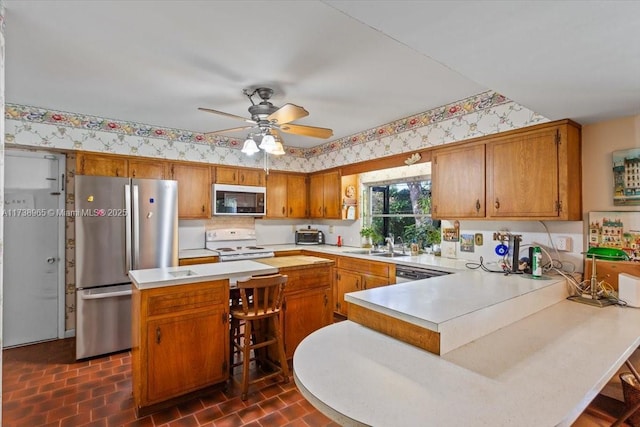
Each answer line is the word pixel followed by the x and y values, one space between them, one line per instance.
pixel 238 200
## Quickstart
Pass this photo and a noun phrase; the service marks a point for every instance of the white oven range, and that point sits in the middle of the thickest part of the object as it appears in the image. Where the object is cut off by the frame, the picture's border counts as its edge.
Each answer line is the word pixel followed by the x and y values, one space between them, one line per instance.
pixel 234 244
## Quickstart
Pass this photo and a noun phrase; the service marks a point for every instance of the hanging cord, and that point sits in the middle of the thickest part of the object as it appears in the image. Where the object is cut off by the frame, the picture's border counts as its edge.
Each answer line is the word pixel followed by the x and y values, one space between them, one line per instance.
pixel 481 265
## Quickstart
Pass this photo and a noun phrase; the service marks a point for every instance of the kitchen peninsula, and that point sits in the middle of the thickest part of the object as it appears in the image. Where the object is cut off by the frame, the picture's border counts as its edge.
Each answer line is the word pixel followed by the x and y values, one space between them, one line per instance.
pixel 541 370
pixel 180 330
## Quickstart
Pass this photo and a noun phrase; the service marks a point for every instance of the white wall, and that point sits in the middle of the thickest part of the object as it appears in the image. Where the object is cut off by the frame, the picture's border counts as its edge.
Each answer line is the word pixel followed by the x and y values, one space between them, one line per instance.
pixel 533 233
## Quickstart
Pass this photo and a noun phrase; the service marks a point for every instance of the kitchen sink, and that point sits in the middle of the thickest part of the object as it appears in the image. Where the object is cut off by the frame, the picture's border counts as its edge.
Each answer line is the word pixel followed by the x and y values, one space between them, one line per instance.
pixel 389 254
pixel 360 252
pixel 384 254
pixel 184 273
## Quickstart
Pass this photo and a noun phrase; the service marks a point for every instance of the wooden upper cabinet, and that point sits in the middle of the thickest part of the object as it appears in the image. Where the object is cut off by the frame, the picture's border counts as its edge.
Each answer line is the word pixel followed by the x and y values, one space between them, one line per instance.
pixel 194 190
pixel 101 165
pixel 522 175
pixel 240 176
pixel 458 176
pixel 286 195
pixel 532 173
pixel 297 196
pixel 277 195
pixel 535 174
pixel 324 195
pixel 148 169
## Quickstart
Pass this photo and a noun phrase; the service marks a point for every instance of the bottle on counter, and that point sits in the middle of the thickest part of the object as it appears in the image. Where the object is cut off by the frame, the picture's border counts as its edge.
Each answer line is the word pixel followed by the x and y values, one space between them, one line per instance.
pixel 339 241
pixel 415 248
pixel 536 262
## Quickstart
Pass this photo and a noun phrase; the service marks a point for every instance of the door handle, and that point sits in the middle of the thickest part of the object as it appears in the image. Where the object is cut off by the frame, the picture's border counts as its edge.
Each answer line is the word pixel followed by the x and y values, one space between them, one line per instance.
pixel 158 335
pixel 51 260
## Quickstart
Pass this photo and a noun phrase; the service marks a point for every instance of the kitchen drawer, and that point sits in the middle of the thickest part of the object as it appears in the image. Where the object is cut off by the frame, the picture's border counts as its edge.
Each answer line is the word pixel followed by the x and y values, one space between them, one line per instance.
pixel 374 268
pixel 161 301
pixel 198 260
pixel 307 278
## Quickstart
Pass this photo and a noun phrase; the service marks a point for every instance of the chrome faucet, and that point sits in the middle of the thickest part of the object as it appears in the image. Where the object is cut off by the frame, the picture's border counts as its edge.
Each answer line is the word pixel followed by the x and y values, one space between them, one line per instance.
pixel 402 244
pixel 389 242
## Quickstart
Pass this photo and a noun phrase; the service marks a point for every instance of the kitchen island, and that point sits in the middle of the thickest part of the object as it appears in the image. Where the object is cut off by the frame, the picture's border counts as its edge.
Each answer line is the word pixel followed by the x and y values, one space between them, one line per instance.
pixel 542 370
pixel 180 328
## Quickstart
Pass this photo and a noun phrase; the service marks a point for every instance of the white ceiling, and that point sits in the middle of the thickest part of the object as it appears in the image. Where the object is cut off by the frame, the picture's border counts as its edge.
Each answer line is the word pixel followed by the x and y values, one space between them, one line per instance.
pixel 353 65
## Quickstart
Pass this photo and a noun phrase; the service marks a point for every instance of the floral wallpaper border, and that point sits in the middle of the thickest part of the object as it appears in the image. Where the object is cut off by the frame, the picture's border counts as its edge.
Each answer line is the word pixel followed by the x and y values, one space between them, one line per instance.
pixel 92 123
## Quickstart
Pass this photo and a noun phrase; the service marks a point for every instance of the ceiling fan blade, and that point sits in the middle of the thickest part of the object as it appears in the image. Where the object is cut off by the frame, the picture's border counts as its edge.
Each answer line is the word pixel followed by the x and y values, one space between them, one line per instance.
pixel 312 131
pixel 287 113
pixel 233 116
pixel 215 132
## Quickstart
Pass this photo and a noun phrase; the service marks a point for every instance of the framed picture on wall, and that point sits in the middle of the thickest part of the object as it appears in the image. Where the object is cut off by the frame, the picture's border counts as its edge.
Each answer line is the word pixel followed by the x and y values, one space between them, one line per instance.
pixel 619 230
pixel 626 177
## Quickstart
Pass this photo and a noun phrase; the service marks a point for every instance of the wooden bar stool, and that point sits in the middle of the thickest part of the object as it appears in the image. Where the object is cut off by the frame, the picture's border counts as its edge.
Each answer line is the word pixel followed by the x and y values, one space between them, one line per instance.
pixel 261 317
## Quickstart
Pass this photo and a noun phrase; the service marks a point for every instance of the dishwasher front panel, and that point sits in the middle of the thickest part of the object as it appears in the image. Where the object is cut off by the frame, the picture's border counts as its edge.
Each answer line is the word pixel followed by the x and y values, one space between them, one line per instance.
pixel 103 320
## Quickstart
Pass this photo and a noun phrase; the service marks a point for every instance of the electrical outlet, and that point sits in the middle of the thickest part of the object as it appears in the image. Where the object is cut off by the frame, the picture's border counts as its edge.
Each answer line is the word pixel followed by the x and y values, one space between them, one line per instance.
pixel 563 243
pixel 331 229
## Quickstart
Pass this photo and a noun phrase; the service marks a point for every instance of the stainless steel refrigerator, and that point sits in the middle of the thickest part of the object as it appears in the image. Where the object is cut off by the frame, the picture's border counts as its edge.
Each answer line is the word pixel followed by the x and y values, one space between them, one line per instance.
pixel 121 224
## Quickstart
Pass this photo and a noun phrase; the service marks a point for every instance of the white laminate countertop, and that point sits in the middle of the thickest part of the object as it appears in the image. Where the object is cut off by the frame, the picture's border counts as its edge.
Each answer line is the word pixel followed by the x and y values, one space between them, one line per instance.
pixel 431 302
pixel 540 371
pixel 451 265
pixel 196 253
pixel 169 276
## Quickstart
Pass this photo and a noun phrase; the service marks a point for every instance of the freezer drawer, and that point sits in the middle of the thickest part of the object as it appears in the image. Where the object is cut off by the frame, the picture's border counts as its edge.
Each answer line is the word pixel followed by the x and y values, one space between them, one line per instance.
pixel 103 320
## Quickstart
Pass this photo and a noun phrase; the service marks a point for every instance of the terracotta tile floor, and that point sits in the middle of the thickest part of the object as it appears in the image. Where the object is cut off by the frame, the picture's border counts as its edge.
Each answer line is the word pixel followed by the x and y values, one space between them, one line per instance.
pixel 43 385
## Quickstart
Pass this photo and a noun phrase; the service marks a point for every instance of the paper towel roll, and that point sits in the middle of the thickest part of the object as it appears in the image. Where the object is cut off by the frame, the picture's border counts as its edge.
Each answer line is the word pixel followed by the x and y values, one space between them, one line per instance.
pixel 629 289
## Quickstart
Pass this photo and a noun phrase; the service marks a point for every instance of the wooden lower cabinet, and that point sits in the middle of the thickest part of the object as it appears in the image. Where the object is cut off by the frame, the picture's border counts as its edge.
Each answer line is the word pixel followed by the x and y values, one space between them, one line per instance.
pixel 180 341
pixel 609 270
pixel 185 353
pixel 346 281
pixel 307 304
pixel 305 313
pixel 354 274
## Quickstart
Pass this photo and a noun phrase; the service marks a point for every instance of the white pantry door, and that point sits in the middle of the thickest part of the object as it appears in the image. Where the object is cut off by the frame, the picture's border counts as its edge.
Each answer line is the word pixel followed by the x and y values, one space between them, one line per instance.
pixel 33 267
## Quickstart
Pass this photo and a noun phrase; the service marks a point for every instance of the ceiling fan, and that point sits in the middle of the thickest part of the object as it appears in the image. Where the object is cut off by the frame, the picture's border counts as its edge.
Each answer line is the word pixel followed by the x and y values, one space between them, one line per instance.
pixel 268 120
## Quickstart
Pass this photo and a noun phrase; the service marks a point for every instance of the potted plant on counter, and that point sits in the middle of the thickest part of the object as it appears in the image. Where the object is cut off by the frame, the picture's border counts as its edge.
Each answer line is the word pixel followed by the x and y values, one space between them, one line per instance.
pixel 368 235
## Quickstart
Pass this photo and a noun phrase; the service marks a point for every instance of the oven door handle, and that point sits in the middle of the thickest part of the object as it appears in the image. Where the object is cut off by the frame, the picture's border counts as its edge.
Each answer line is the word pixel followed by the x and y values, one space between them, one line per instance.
pixel 105 295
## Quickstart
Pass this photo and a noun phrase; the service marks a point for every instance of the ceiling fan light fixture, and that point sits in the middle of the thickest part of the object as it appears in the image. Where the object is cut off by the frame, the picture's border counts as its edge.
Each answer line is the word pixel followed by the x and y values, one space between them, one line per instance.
pixel 250 146
pixel 279 150
pixel 268 143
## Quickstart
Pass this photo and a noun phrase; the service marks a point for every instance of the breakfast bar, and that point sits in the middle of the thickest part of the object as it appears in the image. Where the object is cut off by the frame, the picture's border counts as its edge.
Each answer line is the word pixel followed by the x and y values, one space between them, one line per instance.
pixel 542 370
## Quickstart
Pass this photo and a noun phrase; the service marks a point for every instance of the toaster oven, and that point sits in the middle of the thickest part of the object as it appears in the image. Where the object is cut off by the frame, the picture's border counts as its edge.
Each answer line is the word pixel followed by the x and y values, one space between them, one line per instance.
pixel 309 237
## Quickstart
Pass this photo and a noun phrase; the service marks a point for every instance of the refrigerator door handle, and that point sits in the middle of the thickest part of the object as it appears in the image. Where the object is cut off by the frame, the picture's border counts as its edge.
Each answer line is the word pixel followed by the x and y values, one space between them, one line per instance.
pixel 127 227
pixel 105 295
pixel 136 227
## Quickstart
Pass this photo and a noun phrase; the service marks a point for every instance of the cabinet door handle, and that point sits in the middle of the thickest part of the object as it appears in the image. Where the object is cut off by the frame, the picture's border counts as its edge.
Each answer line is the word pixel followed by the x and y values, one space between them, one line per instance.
pixel 202 208
pixel 290 211
pixel 497 204
pixel 242 178
pixel 133 173
pixel 117 172
pixel 477 205
pixel 326 300
pixel 284 210
pixel 357 284
pixel 364 284
pixel 233 177
pixel 158 335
